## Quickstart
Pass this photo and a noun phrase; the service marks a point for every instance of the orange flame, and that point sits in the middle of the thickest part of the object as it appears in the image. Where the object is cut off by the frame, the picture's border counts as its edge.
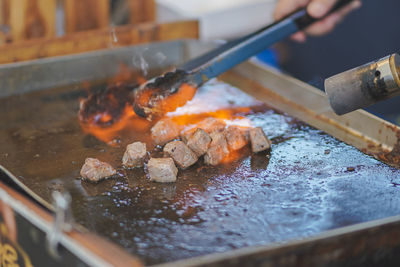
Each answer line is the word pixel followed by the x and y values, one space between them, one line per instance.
pixel 184 94
pixel 162 103
pixel 222 114
pixel 110 129
pixel 128 121
pixel 232 157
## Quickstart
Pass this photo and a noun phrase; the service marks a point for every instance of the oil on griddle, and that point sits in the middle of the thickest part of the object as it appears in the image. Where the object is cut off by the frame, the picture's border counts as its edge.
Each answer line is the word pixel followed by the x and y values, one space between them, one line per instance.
pixel 308 183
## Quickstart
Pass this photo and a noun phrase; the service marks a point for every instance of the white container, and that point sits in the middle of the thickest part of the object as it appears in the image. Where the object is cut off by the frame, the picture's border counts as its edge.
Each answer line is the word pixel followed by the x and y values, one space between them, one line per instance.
pixel 219 19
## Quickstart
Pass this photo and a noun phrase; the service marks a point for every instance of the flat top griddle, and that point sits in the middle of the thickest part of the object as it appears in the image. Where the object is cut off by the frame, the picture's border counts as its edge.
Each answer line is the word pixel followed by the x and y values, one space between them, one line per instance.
pixel 310 182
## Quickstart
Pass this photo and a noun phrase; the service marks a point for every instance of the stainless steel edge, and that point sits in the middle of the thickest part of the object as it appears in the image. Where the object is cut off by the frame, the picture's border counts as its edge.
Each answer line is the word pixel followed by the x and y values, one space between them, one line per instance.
pixel 293 246
pixel 26 189
pixel 72 245
pixel 359 128
pixel 46 73
pixel 39 74
pixel 298 99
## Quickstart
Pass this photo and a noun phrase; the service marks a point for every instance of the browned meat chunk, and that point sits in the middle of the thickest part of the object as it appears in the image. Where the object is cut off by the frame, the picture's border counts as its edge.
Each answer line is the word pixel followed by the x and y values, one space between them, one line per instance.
pixel 181 153
pixel 164 130
pixel 95 170
pixel 185 135
pixel 134 155
pixel 236 137
pixel 218 149
pixel 162 170
pixel 199 142
pixel 218 139
pixel 211 125
pixel 259 141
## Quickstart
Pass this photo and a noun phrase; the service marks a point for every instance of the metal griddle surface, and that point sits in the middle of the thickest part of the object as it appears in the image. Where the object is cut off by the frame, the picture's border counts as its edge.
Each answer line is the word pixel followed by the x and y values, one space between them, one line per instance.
pixel 300 189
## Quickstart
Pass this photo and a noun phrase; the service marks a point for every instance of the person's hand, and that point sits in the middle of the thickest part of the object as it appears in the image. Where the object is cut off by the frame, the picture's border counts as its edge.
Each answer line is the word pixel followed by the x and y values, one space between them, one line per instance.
pixel 316 9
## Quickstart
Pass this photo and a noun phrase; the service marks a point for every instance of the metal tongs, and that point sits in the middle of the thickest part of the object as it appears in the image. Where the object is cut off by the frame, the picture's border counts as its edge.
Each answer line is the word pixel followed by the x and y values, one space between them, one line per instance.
pixel 149 96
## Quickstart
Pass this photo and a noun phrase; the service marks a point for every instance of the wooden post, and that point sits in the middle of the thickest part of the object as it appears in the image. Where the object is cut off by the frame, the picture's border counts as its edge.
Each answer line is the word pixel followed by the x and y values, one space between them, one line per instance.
pixel 4 15
pixel 81 15
pixel 142 11
pixel 3 12
pixel 31 18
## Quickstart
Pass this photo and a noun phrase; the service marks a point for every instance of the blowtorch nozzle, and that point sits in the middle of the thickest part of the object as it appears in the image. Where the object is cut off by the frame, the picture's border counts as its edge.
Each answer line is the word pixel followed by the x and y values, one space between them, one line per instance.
pixel 365 85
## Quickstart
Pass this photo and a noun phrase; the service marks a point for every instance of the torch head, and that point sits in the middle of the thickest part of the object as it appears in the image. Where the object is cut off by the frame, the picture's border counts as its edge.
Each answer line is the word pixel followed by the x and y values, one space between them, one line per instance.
pixel 364 86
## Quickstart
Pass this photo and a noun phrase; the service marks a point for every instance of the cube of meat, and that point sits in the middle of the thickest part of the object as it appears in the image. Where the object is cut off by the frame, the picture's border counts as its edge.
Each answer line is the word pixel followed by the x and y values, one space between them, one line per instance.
pixel 259 141
pixel 162 170
pixel 164 130
pixel 236 137
pixel 95 170
pixel 186 134
pixel 199 142
pixel 218 149
pixel 218 139
pixel 183 156
pixel 211 125
pixel 134 155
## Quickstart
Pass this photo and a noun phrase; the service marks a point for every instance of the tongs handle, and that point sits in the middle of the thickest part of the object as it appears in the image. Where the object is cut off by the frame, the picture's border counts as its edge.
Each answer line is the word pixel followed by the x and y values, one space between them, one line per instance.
pixel 150 96
pixel 223 58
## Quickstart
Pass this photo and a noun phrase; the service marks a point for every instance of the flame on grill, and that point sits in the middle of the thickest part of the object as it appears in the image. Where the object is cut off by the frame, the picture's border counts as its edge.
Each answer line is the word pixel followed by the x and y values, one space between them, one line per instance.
pixel 107 133
pixel 228 116
pixel 232 157
pixel 109 114
pixel 155 103
pixel 184 94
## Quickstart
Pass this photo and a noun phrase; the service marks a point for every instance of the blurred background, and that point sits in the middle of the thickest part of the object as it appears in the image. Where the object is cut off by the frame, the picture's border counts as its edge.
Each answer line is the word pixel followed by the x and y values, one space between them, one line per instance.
pixel 367 34
pixel 370 33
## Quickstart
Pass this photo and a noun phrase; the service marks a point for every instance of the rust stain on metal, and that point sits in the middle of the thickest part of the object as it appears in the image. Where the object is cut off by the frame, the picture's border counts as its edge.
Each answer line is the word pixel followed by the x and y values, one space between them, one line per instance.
pixel 392 157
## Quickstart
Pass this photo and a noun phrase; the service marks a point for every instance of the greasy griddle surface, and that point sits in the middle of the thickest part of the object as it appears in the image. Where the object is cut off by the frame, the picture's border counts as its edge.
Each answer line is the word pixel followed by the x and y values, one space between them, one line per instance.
pixel 301 188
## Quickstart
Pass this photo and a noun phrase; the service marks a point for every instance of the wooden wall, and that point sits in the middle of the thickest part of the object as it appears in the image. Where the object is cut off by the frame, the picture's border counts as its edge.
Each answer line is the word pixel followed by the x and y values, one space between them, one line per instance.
pixel 81 15
pixel 142 11
pixel 28 19
pixel 97 39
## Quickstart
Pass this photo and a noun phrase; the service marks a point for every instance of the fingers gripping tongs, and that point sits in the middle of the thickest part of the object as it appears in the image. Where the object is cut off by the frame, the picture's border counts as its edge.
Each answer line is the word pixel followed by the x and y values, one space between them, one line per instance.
pixel 150 96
